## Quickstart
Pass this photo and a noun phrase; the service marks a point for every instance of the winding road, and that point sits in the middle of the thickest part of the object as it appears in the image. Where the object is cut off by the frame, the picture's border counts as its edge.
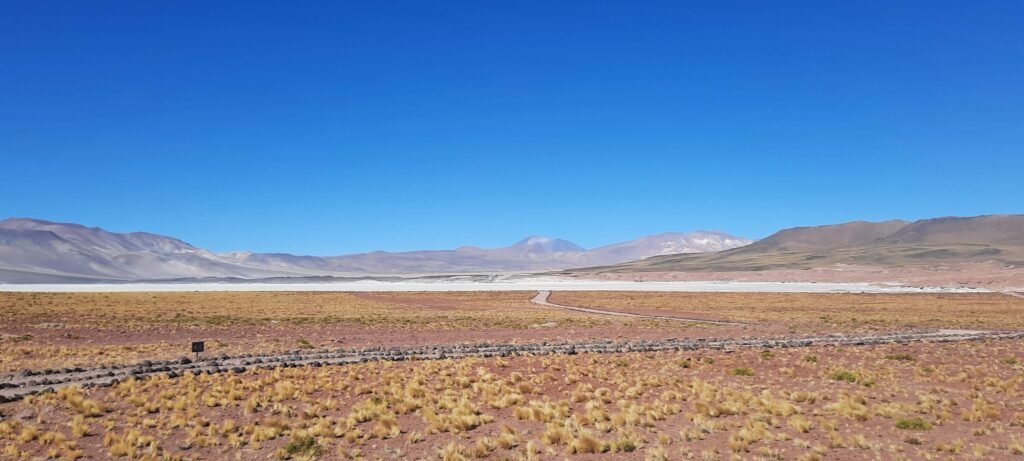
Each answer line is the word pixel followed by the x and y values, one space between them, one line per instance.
pixel 543 295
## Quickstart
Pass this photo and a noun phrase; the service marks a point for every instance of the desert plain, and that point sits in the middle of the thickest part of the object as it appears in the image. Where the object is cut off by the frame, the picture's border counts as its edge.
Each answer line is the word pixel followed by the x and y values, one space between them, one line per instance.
pixel 495 375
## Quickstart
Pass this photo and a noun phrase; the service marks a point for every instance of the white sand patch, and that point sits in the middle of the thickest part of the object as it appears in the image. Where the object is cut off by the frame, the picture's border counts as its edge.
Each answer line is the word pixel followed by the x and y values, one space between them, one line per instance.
pixel 498 284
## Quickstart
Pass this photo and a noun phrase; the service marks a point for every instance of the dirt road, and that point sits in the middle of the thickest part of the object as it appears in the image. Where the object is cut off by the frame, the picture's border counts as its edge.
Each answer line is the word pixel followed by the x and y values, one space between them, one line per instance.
pixel 542 299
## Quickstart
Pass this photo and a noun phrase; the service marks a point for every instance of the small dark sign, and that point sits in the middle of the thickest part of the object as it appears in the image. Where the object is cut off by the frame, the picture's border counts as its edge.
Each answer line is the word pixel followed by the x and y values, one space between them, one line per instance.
pixel 198 346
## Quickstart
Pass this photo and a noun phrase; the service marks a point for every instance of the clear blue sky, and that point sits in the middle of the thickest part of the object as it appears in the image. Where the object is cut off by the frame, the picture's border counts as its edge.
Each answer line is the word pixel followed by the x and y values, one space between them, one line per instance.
pixel 336 127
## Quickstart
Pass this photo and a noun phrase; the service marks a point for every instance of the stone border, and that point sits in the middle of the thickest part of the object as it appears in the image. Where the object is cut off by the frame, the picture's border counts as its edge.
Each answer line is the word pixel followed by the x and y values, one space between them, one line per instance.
pixel 17 386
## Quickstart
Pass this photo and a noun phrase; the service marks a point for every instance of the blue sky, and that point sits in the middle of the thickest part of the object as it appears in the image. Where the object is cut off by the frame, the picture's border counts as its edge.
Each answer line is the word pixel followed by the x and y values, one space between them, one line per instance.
pixel 336 127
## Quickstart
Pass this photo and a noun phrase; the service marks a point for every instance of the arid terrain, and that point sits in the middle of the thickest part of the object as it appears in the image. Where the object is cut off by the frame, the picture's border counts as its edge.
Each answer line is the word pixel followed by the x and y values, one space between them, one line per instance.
pixel 46 330
pixel 667 392
pixel 913 401
pixel 511 231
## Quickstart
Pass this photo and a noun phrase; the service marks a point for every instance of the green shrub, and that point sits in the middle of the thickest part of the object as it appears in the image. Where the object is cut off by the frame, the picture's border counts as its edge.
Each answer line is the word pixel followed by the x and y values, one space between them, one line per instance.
pixel 900 357
pixel 742 372
pixel 914 424
pixel 304 446
pixel 843 375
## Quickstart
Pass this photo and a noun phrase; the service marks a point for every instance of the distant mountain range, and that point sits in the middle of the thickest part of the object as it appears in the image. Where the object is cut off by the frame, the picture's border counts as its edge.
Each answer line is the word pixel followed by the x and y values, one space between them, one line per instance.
pixel 33 250
pixel 932 242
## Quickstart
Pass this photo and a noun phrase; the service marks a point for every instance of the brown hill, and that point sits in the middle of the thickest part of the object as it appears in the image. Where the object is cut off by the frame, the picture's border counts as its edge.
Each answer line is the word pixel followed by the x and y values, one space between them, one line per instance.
pixel 826 237
pixel 996 230
pixel 929 242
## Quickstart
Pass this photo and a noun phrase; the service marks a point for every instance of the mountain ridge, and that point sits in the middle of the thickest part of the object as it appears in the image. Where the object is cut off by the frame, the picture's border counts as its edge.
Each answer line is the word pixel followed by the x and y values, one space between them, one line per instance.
pixel 894 243
pixel 52 250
